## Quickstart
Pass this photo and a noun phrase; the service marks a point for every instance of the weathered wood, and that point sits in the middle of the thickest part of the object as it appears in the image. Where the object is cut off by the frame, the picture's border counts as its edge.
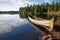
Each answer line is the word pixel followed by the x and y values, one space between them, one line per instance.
pixel 45 37
pixel 54 36
pixel 57 22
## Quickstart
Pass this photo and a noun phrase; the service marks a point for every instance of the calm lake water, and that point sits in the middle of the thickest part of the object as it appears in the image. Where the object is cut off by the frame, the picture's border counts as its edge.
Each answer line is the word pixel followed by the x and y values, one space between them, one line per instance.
pixel 12 27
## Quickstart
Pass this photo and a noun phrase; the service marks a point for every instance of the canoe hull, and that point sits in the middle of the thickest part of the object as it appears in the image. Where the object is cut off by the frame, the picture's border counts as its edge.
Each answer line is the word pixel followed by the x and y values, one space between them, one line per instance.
pixel 48 24
pixel 40 29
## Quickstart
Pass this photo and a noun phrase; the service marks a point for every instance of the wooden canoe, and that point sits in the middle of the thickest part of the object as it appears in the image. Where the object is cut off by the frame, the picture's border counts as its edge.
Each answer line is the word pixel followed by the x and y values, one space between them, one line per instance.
pixel 47 24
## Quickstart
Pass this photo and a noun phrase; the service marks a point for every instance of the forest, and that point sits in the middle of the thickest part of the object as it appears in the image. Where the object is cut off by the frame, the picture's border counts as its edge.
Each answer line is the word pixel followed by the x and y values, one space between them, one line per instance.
pixel 39 9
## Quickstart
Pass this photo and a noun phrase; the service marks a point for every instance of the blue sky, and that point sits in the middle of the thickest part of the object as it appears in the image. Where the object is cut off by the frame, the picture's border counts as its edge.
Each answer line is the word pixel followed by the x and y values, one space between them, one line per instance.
pixel 14 5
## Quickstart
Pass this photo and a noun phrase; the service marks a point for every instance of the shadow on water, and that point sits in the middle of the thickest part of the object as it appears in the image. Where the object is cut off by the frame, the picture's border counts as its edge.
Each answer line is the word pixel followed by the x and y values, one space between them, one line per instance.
pixel 57 28
pixel 22 32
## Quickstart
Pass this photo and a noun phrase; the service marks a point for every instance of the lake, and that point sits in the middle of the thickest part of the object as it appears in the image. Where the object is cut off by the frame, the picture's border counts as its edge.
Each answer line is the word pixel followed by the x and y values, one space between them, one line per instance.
pixel 12 27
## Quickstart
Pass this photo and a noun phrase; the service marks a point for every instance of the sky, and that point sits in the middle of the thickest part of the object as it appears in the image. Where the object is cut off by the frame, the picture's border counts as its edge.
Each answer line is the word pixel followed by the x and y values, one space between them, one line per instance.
pixel 14 5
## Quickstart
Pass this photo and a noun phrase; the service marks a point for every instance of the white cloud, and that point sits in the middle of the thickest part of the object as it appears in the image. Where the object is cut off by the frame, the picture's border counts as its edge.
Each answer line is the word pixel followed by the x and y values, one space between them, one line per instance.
pixel 46 1
pixel 3 0
pixel 30 3
pixel 13 4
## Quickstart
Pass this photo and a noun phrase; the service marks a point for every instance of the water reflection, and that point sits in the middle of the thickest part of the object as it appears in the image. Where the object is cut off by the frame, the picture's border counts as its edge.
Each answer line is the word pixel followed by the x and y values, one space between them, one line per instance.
pixel 14 28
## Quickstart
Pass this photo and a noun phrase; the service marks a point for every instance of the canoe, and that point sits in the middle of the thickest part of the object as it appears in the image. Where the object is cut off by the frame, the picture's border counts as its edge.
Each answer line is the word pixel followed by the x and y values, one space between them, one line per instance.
pixel 47 24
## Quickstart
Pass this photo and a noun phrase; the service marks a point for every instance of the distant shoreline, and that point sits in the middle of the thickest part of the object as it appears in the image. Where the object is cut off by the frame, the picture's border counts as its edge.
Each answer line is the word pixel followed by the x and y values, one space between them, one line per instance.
pixel 8 12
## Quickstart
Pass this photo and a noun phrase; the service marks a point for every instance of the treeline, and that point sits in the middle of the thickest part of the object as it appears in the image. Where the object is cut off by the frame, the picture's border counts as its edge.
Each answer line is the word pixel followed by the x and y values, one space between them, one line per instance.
pixel 39 9
pixel 8 12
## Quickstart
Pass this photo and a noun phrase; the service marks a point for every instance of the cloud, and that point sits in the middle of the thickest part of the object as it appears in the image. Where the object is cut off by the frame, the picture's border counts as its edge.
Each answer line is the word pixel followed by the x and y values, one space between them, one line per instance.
pixel 4 0
pixel 30 3
pixel 46 1
pixel 14 4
